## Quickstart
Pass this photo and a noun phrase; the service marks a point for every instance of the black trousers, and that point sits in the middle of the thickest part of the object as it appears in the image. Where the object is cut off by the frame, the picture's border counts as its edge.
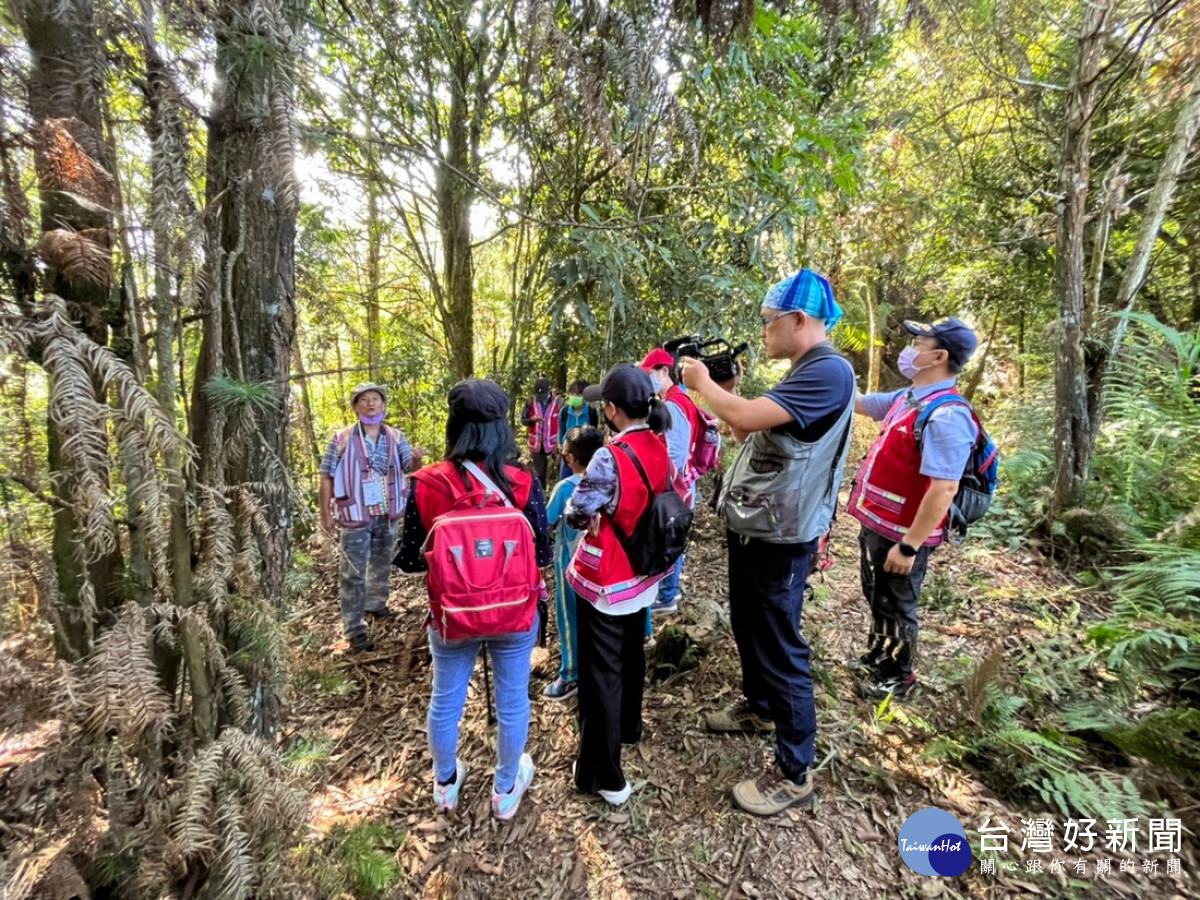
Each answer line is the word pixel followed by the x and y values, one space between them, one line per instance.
pixel 893 600
pixel 766 611
pixel 612 673
pixel 539 465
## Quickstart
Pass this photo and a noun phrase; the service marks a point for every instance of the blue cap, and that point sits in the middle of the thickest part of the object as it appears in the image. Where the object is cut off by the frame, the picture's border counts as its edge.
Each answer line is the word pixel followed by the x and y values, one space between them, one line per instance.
pixel 806 292
pixel 952 334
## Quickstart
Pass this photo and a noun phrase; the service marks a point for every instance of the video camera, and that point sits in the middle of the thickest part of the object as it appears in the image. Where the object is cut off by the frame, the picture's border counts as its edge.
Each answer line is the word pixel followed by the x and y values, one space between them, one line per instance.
pixel 717 354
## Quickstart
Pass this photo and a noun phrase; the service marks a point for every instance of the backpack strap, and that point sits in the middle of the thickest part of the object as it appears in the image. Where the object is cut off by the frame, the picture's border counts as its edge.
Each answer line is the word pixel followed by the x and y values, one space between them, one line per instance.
pixel 489 485
pixel 942 399
pixel 637 464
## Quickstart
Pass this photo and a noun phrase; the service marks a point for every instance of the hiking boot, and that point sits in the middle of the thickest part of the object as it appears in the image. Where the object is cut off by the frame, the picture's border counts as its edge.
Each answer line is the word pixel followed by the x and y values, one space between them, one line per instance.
pixel 361 643
pixel 383 613
pixel 504 806
pixel 773 792
pixel 560 689
pixel 445 796
pixel 880 687
pixel 665 606
pixel 740 719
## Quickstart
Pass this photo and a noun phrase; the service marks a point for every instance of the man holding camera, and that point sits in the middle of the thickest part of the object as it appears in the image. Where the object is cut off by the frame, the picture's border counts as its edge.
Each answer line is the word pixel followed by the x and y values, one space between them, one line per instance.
pixel 777 500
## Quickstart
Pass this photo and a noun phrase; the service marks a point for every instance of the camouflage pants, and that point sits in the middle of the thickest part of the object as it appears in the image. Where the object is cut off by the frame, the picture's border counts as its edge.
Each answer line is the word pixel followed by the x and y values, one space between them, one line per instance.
pixel 365 566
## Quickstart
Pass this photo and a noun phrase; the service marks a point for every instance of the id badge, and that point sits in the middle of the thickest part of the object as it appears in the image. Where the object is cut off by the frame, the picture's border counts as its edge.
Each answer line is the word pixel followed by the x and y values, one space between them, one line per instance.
pixel 373 492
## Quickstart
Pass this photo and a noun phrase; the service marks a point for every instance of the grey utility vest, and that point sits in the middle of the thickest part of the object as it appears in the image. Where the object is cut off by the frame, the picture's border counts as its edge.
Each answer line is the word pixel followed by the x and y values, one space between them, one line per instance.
pixel 782 490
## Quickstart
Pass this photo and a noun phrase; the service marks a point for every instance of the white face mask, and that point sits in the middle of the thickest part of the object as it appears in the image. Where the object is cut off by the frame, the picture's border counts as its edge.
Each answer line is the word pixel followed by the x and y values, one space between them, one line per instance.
pixel 905 363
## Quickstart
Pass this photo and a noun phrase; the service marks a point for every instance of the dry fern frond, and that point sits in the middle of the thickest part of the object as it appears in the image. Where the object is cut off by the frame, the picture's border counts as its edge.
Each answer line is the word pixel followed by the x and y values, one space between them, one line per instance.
pixel 32 866
pixel 218 553
pixel 84 257
pixel 236 815
pixel 121 685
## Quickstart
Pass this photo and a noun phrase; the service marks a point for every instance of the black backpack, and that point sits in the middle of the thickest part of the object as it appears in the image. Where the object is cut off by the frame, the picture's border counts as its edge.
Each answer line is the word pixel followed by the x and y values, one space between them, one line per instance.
pixel 662 533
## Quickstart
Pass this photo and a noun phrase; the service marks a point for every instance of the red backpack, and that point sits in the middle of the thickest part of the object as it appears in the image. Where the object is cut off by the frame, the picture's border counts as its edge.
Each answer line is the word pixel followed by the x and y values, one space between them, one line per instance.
pixel 483 576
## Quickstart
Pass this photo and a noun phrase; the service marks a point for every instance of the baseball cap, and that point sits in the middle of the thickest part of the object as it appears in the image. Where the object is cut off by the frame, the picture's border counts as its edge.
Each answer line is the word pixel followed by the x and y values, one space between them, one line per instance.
pixel 805 292
pixel 953 335
pixel 628 386
pixel 657 357
pixel 361 389
pixel 478 400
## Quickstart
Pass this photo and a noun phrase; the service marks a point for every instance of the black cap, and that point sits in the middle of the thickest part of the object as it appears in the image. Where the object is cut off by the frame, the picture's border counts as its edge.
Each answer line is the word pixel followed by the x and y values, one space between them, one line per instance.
pixel 542 386
pixel 628 386
pixel 478 400
pixel 953 335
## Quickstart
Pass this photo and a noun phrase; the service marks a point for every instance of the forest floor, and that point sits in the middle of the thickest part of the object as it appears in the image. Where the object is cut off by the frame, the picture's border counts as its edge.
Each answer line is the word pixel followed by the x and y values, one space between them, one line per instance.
pixel 680 836
pixel 354 735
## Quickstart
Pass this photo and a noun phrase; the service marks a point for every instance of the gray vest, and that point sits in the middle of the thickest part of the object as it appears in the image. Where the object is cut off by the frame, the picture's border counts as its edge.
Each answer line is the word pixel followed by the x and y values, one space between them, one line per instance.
pixel 782 490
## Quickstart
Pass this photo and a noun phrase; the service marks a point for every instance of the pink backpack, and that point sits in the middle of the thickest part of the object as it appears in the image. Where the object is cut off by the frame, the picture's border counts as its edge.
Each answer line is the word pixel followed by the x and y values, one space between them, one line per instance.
pixel 706 453
pixel 483 576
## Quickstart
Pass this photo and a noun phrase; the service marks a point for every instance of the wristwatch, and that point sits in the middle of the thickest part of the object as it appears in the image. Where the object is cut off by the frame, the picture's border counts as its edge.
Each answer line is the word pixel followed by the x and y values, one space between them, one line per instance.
pixel 906 550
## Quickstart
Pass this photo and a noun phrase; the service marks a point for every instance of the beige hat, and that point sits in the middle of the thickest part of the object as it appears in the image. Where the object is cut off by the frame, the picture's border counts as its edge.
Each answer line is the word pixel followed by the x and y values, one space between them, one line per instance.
pixel 361 389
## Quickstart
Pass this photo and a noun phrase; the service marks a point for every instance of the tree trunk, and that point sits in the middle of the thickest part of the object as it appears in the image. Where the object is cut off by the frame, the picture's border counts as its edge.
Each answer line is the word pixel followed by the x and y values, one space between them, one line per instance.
pixel 873 294
pixel 77 194
pixel 454 196
pixel 1156 209
pixel 374 239
pixel 168 198
pixel 252 195
pixel 1072 427
pixel 981 361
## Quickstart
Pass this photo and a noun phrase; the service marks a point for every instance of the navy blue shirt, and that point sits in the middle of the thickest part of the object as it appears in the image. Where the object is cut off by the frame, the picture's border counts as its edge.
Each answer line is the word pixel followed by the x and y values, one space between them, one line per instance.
pixel 815 397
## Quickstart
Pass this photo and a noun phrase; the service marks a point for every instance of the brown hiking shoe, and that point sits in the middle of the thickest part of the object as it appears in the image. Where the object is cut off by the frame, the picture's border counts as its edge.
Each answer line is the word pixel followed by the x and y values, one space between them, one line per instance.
pixel 740 719
pixel 773 792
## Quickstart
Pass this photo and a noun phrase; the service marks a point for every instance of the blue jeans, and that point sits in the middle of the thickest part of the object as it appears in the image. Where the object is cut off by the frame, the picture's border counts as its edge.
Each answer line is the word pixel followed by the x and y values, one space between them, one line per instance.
pixel 668 588
pixel 453 665
pixel 766 606
pixel 363 571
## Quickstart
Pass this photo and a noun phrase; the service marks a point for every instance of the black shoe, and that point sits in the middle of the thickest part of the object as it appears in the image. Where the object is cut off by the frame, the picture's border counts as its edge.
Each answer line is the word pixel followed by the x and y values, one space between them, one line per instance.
pixel 379 614
pixel 880 687
pixel 361 643
pixel 865 666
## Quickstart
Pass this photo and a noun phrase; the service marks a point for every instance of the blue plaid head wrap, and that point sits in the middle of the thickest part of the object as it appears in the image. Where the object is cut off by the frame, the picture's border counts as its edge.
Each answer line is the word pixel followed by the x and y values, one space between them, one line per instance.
pixel 808 293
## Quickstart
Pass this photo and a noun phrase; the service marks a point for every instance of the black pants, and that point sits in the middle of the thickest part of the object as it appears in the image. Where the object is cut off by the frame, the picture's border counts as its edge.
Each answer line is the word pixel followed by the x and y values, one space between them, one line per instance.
pixel 612 671
pixel 766 608
pixel 539 466
pixel 893 600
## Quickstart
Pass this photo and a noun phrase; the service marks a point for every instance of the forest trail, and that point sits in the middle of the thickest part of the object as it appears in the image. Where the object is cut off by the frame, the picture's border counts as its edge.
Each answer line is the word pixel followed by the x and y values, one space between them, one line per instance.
pixel 680 836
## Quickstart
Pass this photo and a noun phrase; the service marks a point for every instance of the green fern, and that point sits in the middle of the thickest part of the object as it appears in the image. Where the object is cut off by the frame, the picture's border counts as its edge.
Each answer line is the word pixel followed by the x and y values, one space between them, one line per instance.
pixel 231 394
pixel 1167 737
pixel 371 869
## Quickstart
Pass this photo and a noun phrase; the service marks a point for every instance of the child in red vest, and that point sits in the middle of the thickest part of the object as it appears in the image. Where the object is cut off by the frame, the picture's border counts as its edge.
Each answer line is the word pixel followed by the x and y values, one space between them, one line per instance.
pixel 609 501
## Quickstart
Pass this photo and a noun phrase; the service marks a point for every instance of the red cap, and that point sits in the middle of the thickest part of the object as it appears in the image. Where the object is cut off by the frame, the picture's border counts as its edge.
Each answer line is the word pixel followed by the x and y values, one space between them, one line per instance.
pixel 657 357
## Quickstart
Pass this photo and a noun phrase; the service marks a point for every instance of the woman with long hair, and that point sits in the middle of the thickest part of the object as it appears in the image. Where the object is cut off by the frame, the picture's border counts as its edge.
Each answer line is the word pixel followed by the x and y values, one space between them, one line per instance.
pixel 608 503
pixel 480 456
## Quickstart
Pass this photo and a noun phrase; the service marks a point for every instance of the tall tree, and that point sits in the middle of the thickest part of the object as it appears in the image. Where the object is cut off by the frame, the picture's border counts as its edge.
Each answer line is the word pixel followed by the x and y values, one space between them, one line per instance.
pixel 240 412
pixel 77 195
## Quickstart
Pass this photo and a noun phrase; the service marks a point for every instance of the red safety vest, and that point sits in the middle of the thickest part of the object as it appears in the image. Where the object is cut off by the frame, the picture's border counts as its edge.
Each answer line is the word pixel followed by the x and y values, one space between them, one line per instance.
pixel 600 571
pixel 889 487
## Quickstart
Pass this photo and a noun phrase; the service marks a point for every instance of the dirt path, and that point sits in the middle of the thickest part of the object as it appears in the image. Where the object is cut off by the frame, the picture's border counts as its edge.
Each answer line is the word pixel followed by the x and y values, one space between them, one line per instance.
pixel 679 835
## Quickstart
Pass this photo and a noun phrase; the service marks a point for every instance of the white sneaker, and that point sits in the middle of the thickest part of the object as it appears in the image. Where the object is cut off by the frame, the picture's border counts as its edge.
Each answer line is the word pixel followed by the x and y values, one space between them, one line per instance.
pixel 445 796
pixel 617 798
pixel 504 806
